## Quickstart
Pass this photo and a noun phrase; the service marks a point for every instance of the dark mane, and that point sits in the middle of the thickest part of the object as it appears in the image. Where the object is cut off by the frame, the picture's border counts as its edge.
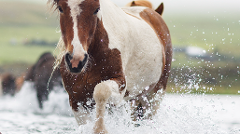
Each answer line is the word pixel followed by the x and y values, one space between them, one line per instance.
pixel 55 1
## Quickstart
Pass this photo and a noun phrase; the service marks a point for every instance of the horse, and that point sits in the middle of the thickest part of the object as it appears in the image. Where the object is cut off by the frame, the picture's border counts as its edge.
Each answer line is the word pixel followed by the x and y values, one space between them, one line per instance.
pixel 110 55
pixel 40 75
pixel 7 84
pixel 146 3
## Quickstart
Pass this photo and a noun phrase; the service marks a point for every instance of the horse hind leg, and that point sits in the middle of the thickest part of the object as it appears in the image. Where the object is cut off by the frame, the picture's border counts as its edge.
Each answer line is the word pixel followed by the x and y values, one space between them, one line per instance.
pixel 137 109
pixel 145 106
pixel 140 104
pixel 157 92
pixel 154 101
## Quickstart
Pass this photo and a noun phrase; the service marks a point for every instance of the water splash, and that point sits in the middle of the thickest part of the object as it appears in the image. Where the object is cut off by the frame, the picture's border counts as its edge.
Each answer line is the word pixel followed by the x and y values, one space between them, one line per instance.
pixel 26 101
pixel 178 114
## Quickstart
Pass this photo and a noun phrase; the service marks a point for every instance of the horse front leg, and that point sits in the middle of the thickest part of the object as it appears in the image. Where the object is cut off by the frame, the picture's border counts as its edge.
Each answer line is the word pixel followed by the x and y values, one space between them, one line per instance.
pixel 104 92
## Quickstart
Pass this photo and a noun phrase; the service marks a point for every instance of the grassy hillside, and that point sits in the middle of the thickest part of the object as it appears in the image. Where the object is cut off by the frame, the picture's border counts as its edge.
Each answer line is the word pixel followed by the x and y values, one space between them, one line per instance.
pixel 215 32
pixel 26 14
pixel 219 36
pixel 20 23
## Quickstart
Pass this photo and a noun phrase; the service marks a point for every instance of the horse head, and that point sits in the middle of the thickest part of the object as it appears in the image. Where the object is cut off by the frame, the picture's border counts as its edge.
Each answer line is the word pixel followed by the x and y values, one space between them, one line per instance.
pixel 78 22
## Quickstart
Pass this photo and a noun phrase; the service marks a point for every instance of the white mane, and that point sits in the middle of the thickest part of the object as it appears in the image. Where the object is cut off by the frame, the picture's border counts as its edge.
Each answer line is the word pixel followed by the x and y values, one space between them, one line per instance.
pixel 60 51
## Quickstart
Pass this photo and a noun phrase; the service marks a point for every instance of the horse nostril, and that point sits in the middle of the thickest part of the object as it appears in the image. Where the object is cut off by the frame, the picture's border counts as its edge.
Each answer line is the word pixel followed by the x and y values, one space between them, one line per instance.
pixel 80 64
pixel 69 57
pixel 85 59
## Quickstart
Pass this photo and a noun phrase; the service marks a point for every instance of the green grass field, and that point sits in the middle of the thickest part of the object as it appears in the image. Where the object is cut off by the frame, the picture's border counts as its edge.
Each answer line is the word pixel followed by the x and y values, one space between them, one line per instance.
pixel 21 22
pixel 216 33
pixel 12 48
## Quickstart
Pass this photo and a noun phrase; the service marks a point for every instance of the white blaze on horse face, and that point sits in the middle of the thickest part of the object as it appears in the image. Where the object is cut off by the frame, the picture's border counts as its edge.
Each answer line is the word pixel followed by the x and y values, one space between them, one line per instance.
pixel 99 15
pixel 78 51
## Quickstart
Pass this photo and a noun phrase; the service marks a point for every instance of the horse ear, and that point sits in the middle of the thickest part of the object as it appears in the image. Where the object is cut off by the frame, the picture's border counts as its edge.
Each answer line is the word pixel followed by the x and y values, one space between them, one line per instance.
pixel 133 3
pixel 160 9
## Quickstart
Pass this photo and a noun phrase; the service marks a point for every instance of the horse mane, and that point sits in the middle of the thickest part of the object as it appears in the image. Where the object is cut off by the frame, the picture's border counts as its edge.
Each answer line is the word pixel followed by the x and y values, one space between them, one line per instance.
pixel 59 51
pixel 52 3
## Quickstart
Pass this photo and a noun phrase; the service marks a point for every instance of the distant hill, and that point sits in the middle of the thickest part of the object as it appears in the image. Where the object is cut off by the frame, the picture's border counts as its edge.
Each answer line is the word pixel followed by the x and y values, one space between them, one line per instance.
pixel 17 13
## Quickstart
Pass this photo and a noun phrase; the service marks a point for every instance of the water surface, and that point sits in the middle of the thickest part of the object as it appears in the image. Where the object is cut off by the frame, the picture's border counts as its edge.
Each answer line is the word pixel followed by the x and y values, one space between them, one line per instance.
pixel 179 113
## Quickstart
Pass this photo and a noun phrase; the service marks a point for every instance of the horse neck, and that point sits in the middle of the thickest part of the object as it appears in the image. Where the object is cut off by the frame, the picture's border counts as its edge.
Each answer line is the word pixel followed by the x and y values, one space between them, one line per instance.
pixel 111 14
pixel 100 40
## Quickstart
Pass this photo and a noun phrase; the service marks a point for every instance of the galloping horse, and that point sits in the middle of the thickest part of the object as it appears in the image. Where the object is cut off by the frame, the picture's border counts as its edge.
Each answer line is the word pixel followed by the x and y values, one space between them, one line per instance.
pixel 7 84
pixel 10 84
pixel 112 54
pixel 40 74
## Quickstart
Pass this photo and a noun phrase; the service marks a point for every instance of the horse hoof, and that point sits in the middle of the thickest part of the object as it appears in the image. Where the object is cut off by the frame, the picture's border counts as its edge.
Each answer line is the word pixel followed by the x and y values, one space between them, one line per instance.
pixel 137 125
pixel 100 131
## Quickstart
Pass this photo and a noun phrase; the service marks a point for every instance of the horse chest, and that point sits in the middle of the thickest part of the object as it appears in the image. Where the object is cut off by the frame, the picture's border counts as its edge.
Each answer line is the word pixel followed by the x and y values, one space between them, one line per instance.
pixel 80 87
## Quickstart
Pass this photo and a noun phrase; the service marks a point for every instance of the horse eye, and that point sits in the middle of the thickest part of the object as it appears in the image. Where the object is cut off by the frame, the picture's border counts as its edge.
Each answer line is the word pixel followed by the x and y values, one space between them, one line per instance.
pixel 60 9
pixel 96 11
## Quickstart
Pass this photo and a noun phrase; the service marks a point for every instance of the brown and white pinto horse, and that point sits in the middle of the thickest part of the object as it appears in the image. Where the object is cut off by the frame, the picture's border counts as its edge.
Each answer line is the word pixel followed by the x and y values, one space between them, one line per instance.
pixel 112 54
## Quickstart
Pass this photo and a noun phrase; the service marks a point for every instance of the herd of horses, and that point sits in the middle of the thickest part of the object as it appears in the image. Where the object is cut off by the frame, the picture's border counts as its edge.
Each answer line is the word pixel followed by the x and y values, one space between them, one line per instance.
pixel 108 55
pixel 39 74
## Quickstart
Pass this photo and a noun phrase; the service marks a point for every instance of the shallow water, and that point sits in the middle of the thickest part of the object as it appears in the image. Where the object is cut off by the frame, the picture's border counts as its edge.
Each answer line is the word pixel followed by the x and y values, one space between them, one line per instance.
pixel 179 113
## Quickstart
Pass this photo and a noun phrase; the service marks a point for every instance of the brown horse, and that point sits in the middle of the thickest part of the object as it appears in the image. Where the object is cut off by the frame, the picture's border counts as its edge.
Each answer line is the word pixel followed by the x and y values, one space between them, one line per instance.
pixel 40 74
pixel 8 85
pixel 146 3
pixel 111 54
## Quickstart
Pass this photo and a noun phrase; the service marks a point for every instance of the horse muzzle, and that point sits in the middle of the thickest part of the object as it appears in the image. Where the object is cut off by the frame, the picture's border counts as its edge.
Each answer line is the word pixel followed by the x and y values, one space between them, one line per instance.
pixel 72 65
